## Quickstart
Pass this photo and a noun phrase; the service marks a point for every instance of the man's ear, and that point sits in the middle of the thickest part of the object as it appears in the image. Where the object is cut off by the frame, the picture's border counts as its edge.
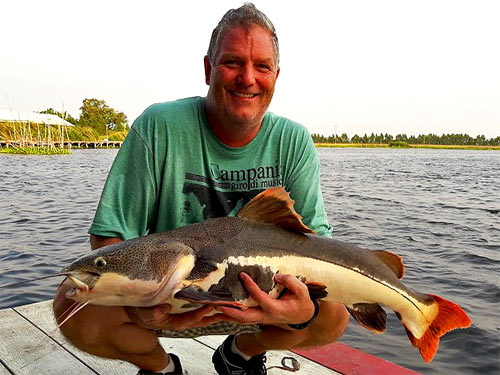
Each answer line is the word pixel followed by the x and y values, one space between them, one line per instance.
pixel 208 70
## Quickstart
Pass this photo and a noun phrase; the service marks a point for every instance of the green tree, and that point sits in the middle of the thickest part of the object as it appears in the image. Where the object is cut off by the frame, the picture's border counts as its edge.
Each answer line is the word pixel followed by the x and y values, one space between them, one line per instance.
pixel 401 138
pixel 480 140
pixel 99 116
pixel 64 115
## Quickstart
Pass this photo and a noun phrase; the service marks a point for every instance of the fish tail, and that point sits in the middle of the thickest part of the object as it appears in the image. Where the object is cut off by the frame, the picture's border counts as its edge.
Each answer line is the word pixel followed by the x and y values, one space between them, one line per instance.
pixel 450 316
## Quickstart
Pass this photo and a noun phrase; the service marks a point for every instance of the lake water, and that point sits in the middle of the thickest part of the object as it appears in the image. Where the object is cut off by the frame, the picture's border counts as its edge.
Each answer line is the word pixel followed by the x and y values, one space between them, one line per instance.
pixel 439 209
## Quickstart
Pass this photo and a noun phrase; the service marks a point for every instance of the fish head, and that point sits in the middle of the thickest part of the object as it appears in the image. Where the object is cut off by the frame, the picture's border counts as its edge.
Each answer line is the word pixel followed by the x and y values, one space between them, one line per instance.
pixel 140 272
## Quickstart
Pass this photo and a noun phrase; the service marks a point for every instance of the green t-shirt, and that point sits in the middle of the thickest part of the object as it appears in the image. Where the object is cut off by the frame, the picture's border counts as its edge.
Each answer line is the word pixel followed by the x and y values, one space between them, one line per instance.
pixel 172 171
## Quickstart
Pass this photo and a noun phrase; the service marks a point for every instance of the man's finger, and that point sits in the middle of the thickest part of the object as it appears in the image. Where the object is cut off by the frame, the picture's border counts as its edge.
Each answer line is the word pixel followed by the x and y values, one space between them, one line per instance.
pixel 201 312
pixel 148 315
pixel 249 316
pixel 159 312
pixel 261 297
pixel 208 320
pixel 293 284
pixel 196 315
pixel 188 319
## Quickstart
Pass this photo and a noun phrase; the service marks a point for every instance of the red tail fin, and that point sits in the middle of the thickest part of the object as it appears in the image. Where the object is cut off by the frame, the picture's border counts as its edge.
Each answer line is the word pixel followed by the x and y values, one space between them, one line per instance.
pixel 450 316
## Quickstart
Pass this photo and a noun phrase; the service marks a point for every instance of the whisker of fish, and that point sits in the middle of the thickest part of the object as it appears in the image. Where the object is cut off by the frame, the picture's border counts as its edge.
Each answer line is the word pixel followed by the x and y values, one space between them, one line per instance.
pixel 17 283
pixel 68 310
pixel 73 312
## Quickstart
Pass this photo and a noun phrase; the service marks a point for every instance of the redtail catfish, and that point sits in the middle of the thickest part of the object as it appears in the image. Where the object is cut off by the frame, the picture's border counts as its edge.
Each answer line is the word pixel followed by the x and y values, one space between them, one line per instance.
pixel 200 263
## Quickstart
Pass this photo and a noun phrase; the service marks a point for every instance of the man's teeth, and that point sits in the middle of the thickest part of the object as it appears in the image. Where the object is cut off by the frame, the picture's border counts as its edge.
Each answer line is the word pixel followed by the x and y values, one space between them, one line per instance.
pixel 243 95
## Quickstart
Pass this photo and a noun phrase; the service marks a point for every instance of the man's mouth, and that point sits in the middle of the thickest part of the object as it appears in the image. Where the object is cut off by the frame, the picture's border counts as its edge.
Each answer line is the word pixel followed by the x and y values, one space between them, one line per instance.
pixel 243 94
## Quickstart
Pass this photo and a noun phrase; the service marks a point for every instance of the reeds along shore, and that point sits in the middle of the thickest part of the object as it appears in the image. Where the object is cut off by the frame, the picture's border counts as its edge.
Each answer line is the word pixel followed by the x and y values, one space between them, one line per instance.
pixel 28 138
pixel 406 145
pixel 31 138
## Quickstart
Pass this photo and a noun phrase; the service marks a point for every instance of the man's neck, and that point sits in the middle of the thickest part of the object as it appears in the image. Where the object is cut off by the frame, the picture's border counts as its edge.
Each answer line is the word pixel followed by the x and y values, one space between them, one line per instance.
pixel 231 134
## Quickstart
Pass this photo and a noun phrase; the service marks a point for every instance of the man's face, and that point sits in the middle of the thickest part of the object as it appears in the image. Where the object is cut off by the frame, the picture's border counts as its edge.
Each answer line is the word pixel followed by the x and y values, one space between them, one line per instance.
pixel 242 75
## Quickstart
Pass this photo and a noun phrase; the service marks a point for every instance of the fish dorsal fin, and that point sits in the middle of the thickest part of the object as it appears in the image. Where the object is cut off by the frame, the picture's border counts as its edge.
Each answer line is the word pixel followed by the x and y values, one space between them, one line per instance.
pixel 393 261
pixel 275 206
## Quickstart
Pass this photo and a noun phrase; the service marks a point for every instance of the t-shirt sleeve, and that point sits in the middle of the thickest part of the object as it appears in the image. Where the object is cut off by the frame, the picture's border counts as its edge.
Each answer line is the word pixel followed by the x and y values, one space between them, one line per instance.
pixel 303 182
pixel 128 201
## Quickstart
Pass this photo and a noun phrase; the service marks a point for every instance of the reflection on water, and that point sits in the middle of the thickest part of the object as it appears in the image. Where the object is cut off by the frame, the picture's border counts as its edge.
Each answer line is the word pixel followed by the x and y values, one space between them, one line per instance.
pixel 46 208
pixel 439 209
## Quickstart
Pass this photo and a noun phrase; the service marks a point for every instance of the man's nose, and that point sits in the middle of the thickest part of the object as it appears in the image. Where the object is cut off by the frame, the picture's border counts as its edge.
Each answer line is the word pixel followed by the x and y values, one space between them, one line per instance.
pixel 246 77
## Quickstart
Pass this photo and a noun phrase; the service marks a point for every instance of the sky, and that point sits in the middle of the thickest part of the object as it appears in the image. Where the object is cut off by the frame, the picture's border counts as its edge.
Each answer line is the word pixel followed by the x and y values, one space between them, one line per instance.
pixel 351 66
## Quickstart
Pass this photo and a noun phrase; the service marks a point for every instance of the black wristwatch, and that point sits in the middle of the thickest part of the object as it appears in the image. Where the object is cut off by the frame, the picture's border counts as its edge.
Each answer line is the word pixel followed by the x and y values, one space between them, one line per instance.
pixel 305 324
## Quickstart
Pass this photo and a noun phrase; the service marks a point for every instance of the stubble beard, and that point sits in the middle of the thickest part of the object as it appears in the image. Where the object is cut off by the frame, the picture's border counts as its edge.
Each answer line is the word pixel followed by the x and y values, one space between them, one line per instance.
pixel 253 120
pixel 228 118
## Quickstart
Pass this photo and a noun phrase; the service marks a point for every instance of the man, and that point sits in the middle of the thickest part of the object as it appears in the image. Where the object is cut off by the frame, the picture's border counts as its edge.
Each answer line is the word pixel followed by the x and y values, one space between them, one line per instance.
pixel 197 158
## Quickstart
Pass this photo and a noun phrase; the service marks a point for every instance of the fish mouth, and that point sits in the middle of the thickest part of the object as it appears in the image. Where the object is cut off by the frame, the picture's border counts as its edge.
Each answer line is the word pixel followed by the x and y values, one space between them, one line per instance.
pixel 84 281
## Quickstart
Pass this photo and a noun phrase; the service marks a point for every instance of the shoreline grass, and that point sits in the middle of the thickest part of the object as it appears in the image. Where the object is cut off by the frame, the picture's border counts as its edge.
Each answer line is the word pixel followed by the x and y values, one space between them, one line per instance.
pixel 385 145
pixel 35 150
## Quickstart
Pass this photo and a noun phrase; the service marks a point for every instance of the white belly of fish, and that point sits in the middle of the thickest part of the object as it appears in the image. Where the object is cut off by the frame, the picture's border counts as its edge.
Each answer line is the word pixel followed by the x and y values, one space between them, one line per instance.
pixel 344 285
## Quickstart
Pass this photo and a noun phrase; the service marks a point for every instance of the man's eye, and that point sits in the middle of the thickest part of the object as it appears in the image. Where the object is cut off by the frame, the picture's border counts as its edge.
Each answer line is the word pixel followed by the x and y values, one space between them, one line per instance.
pixel 264 67
pixel 231 63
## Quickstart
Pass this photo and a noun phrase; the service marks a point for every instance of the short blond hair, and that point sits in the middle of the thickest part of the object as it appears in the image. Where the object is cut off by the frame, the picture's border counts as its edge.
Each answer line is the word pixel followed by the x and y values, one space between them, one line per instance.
pixel 246 16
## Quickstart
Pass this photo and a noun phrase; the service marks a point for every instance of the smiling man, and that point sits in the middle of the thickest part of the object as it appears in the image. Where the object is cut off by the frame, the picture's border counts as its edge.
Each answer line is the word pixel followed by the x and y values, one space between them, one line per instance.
pixel 198 158
pixel 242 73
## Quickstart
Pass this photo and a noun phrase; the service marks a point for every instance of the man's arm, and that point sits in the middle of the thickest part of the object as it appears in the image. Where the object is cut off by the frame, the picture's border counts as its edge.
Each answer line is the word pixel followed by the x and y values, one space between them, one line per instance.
pixel 101 241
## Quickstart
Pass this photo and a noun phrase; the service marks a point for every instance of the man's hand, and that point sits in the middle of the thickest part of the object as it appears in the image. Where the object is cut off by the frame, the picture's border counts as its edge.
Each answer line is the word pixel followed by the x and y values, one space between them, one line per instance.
pixel 294 307
pixel 159 317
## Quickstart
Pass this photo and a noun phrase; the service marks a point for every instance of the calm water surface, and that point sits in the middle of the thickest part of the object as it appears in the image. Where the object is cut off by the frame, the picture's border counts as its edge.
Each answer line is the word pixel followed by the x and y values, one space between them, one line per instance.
pixel 439 209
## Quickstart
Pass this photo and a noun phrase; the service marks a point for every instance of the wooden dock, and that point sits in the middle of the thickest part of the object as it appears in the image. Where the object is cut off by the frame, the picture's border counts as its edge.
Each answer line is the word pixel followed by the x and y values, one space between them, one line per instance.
pixel 62 144
pixel 30 344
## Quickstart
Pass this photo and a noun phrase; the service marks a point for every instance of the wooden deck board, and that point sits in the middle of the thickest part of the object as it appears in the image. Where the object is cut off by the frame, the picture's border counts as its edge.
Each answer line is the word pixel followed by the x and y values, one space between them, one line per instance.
pixel 4 371
pixel 40 314
pixel 27 348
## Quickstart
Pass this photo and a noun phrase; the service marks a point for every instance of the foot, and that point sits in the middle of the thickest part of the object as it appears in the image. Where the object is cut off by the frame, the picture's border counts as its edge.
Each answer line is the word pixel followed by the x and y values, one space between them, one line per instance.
pixel 228 363
pixel 177 370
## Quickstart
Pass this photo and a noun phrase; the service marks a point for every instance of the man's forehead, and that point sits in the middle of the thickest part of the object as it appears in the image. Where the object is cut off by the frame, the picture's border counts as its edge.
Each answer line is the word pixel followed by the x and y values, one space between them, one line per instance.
pixel 238 39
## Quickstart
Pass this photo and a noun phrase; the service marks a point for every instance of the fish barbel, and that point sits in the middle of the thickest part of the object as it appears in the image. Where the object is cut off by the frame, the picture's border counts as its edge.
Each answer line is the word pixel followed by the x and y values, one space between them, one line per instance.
pixel 200 264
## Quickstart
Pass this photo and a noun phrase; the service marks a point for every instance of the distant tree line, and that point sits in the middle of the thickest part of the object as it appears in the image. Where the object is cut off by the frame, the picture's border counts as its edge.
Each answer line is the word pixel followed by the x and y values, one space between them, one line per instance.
pixel 445 139
pixel 97 120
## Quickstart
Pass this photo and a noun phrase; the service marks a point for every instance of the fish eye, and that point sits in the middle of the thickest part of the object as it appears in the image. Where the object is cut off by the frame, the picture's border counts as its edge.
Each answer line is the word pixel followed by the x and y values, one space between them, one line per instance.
pixel 100 262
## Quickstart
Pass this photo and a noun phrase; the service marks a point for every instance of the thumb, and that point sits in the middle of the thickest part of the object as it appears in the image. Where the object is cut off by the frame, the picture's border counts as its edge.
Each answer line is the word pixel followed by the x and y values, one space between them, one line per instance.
pixel 160 311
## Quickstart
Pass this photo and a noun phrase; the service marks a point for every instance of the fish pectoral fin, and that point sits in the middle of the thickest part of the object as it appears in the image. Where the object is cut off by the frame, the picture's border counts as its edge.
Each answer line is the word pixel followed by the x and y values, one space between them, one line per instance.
pixel 222 297
pixel 275 206
pixel 316 290
pixel 369 315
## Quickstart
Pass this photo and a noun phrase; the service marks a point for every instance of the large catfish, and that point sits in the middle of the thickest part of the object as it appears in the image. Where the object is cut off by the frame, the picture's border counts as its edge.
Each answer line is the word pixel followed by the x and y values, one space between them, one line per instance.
pixel 200 263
